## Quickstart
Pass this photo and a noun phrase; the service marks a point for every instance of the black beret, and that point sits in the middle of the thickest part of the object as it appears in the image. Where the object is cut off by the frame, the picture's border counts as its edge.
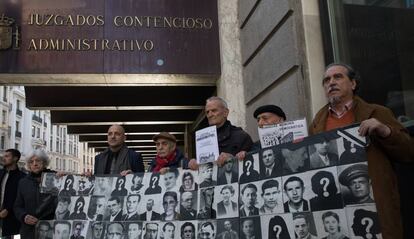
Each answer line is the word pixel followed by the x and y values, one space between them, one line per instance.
pixel 353 171
pixel 270 108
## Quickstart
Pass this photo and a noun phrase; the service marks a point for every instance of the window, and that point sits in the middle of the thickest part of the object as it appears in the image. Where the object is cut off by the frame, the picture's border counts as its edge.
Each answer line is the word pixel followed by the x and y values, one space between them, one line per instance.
pixel 2 142
pixel 33 131
pixel 4 117
pixel 17 104
pixel 38 133
pixel 18 126
pixel 5 93
pixel 16 146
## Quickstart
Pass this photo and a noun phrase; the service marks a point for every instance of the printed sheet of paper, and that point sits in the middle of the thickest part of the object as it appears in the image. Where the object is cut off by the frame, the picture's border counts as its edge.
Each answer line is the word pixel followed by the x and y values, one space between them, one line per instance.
pixel 207 145
pixel 283 133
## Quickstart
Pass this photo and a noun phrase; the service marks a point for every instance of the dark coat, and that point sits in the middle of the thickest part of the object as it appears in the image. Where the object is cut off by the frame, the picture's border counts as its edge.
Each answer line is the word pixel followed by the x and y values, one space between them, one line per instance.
pixel 128 158
pixel 30 201
pixel 188 214
pixel 222 209
pixel 305 206
pixel 243 213
pixel 232 139
pixel 221 180
pixel 154 217
pixel 134 217
pixel 10 224
pixel 396 147
pixel 179 161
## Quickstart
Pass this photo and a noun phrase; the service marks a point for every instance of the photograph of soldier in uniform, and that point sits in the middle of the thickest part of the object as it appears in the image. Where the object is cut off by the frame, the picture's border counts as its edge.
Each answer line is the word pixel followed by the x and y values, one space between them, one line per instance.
pixel 118 189
pixel 326 188
pixel 228 228
pixel 249 168
pixel 79 208
pixel 331 224
pixel 355 184
pixel 226 200
pixel 154 184
pixel 229 172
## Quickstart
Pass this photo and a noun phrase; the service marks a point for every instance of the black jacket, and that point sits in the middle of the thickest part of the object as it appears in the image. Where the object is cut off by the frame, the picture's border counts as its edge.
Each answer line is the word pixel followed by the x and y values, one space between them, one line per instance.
pixel 232 139
pixel 10 224
pixel 134 161
pixel 30 201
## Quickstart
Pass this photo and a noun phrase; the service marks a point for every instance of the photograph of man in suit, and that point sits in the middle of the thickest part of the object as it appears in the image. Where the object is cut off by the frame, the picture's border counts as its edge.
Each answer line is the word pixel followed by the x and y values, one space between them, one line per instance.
pixel 323 154
pixel 270 165
pixel 77 230
pixel 134 230
pixel 132 207
pixel 187 210
pixel 114 206
pixel 249 199
pixel 227 208
pixel 294 189
pixel 149 214
pixel 228 173
pixel 151 231
pixel 206 171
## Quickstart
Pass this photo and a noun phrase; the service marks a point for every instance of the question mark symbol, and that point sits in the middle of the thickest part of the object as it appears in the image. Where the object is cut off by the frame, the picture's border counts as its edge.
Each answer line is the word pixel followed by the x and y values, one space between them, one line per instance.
pixel 277 229
pixel 154 181
pixel 121 183
pixel 248 166
pixel 69 184
pixel 79 205
pixel 368 222
pixel 325 183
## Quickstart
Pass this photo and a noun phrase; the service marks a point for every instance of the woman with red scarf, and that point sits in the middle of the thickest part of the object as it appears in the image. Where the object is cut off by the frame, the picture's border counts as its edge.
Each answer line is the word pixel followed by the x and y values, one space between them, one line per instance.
pixel 168 156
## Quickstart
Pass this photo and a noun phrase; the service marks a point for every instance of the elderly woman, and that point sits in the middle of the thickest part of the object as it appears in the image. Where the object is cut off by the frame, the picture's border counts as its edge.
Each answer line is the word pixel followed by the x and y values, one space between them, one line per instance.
pixel 31 205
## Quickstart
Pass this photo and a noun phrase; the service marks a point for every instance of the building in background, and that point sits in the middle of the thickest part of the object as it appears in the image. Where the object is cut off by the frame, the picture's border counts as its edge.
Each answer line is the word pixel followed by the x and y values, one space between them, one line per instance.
pixel 26 130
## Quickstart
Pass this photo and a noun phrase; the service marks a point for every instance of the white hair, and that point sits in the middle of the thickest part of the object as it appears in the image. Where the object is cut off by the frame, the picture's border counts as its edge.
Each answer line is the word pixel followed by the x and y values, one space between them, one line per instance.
pixel 222 101
pixel 40 154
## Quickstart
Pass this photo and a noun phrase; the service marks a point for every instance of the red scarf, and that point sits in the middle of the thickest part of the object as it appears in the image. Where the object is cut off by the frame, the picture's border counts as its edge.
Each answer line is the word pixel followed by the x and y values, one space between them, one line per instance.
pixel 162 162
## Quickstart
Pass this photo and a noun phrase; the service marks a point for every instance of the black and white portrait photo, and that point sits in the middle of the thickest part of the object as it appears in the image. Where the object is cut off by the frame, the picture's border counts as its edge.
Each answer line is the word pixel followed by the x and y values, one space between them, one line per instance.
pixel 271 193
pixel 151 207
pixel 207 229
pixel 363 222
pixel 44 230
pixel 85 185
pixel 68 187
pixel 118 188
pixel 323 152
pixel 207 173
pixel 294 194
pixel 131 212
pixel 188 230
pixel 169 230
pixel 206 198
pixel 228 228
pixel 50 183
pixel 114 209
pixel 271 162
pixel 304 225
pixel 96 230
pixel 295 158
pixel 134 230
pixel 351 152
pixel 153 186
pixel 62 210
pixel 135 183
pixel 229 172
pixel 250 228
pixel 226 200
pixel 150 230
pixel 79 229
pixel 249 168
pixel 170 180
pixel 248 198
pixel 331 224
pixel 279 226
pixel 355 184
pixel 188 205
pixel 79 207
pixel 188 182
pixel 115 230
pixel 170 205
pixel 97 209
pixel 103 186
pixel 326 189
pixel 62 229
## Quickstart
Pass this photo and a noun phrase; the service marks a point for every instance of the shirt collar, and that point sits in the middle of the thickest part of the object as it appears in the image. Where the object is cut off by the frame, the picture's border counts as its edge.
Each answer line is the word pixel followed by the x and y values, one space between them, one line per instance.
pixel 339 114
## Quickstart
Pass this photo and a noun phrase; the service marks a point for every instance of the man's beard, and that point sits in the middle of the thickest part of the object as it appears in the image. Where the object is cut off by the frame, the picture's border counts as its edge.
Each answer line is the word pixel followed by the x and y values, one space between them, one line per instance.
pixel 334 100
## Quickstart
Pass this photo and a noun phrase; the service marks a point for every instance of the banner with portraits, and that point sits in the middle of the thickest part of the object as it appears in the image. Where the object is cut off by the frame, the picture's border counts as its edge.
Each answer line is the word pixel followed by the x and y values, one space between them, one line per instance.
pixel 316 188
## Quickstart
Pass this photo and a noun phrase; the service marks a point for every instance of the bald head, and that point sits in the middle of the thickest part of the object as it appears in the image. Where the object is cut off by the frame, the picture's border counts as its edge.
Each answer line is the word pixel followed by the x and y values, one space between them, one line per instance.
pixel 116 137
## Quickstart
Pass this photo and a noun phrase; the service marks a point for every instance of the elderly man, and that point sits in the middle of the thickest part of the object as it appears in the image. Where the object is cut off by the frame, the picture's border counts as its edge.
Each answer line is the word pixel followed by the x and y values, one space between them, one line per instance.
pixel 10 176
pixel 168 155
pixel 231 139
pixel 187 203
pixel 118 158
pixel 390 141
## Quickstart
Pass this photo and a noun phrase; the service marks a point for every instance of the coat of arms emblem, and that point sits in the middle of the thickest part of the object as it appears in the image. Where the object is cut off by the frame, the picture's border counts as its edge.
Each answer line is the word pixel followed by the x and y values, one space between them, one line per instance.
pixel 6 32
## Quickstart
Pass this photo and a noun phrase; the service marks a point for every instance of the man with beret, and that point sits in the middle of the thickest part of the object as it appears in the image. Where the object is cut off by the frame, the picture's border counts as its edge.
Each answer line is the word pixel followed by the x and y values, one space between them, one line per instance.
pixel 390 141
pixel 265 115
pixel 231 139
pixel 356 178
pixel 168 155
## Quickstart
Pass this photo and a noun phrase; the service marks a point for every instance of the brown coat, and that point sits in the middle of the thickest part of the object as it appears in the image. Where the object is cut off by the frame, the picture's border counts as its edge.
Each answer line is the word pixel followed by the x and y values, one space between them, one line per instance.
pixel 399 146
